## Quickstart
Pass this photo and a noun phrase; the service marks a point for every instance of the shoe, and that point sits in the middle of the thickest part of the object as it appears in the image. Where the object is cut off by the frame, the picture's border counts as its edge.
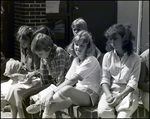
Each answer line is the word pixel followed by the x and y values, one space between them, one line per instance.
pixel 34 108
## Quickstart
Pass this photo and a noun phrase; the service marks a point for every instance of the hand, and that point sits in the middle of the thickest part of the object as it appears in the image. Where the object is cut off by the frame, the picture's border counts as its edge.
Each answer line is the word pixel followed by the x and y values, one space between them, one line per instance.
pixel 36 72
pixel 116 100
pixel 110 98
pixel 30 75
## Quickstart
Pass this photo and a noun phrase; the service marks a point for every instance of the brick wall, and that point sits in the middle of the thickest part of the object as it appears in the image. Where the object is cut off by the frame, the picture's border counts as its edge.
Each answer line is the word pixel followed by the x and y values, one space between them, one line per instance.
pixel 30 13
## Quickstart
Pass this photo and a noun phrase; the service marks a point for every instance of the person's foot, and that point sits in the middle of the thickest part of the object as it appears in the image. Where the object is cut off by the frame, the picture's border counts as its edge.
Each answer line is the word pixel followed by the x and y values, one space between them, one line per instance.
pixel 34 108
pixel 47 116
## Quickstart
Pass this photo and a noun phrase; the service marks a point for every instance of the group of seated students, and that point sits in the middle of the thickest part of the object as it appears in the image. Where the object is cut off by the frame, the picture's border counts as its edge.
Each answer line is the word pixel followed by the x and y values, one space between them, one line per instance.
pixel 49 78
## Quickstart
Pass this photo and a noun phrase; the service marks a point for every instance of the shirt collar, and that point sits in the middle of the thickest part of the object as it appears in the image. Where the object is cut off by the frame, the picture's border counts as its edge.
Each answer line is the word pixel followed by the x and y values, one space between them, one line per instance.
pixel 52 53
pixel 115 52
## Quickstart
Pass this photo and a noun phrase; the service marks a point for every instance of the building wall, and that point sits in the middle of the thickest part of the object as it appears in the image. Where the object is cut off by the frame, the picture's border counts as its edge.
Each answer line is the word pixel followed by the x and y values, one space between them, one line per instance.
pixel 128 13
pixel 33 13
pixel 7 28
pixel 30 13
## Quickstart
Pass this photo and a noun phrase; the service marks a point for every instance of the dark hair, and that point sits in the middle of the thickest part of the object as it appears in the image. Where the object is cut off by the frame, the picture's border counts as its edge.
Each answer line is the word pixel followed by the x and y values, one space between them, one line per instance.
pixel 30 31
pixel 85 37
pixel 125 32
pixel 23 32
pixel 46 30
pixel 41 42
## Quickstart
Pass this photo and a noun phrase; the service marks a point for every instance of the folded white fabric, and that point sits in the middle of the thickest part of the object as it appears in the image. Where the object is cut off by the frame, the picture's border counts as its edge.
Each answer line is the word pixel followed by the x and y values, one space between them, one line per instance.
pixel 13 69
pixel 12 66
pixel 126 103
pixel 43 93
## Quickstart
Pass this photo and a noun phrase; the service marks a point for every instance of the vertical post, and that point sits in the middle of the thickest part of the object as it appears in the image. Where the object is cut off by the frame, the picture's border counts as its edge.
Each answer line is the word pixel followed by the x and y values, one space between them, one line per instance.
pixel 139 31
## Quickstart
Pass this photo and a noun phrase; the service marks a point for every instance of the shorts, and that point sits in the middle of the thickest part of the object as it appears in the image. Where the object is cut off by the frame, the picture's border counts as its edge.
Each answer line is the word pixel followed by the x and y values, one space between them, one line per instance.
pixel 93 95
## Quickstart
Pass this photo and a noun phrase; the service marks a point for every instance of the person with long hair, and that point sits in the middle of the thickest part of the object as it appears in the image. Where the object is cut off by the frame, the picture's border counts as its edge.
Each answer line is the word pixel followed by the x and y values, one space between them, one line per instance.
pixel 31 63
pixel 121 69
pixel 81 85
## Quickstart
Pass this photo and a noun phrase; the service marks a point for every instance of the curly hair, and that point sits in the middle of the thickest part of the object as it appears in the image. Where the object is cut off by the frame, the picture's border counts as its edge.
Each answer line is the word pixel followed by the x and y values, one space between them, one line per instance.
pixel 125 32
pixel 86 38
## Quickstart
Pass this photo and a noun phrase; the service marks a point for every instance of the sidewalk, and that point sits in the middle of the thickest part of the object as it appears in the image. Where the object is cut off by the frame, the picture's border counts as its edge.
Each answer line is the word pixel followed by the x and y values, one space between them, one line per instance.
pixel 5 113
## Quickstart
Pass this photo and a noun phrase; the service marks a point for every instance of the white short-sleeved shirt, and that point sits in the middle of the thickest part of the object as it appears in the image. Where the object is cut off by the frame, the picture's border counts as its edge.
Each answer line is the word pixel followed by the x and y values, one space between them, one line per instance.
pixel 145 58
pixel 89 71
pixel 124 71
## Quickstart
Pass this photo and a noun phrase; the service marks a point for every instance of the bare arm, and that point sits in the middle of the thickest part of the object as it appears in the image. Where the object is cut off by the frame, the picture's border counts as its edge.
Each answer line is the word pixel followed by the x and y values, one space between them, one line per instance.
pixel 109 96
pixel 71 82
pixel 120 96
pixel 105 87
pixel 127 90
pixel 142 84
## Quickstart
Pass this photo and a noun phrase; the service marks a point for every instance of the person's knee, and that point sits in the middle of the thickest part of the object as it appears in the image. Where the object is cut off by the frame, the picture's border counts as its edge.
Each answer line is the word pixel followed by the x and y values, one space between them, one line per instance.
pixel 124 114
pixel 101 111
pixel 105 112
pixel 66 90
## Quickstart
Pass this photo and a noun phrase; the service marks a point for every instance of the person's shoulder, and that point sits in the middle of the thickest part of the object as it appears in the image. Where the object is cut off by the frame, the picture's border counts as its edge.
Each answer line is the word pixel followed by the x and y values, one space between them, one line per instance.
pixel 60 50
pixel 135 56
pixel 145 56
pixel 145 53
pixel 109 53
pixel 92 59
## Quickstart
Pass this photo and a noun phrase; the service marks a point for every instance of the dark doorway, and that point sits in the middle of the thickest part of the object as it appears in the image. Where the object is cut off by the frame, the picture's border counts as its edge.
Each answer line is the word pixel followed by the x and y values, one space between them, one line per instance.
pixel 99 15
pixel 7 29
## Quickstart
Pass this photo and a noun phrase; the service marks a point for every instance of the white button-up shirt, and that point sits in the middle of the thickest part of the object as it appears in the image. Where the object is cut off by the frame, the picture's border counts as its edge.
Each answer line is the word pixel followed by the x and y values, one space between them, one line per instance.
pixel 124 71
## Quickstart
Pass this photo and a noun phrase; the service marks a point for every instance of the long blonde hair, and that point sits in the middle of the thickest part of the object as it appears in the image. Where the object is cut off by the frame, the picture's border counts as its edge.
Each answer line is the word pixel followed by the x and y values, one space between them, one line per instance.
pixel 86 38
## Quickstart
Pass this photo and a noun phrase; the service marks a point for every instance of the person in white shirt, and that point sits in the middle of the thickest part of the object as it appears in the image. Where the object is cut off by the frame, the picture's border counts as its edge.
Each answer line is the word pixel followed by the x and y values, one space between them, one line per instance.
pixel 144 79
pixel 81 86
pixel 121 70
pixel 78 25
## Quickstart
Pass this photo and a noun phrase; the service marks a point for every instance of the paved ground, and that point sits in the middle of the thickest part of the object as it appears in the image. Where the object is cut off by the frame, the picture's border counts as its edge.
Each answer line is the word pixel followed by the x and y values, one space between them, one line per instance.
pixel 5 112
pixel 5 115
pixel 8 115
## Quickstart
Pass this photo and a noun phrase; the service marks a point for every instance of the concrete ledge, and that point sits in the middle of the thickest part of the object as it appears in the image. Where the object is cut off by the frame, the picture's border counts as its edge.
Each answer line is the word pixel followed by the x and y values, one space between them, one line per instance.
pixel 91 112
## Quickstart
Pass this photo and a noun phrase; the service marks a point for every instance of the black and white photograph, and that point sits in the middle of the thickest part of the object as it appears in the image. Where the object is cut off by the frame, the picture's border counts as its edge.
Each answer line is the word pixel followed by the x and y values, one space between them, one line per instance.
pixel 74 59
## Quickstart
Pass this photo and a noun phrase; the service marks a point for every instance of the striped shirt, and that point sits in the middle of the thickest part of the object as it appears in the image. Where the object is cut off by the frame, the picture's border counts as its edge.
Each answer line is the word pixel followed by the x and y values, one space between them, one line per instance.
pixel 55 66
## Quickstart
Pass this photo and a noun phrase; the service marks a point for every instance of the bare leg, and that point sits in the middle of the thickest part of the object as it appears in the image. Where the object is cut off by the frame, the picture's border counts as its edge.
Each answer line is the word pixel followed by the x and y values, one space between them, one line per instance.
pixel 73 96
pixel 78 97
pixel 13 111
pixel 50 109
pixel 20 111
pixel 4 103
